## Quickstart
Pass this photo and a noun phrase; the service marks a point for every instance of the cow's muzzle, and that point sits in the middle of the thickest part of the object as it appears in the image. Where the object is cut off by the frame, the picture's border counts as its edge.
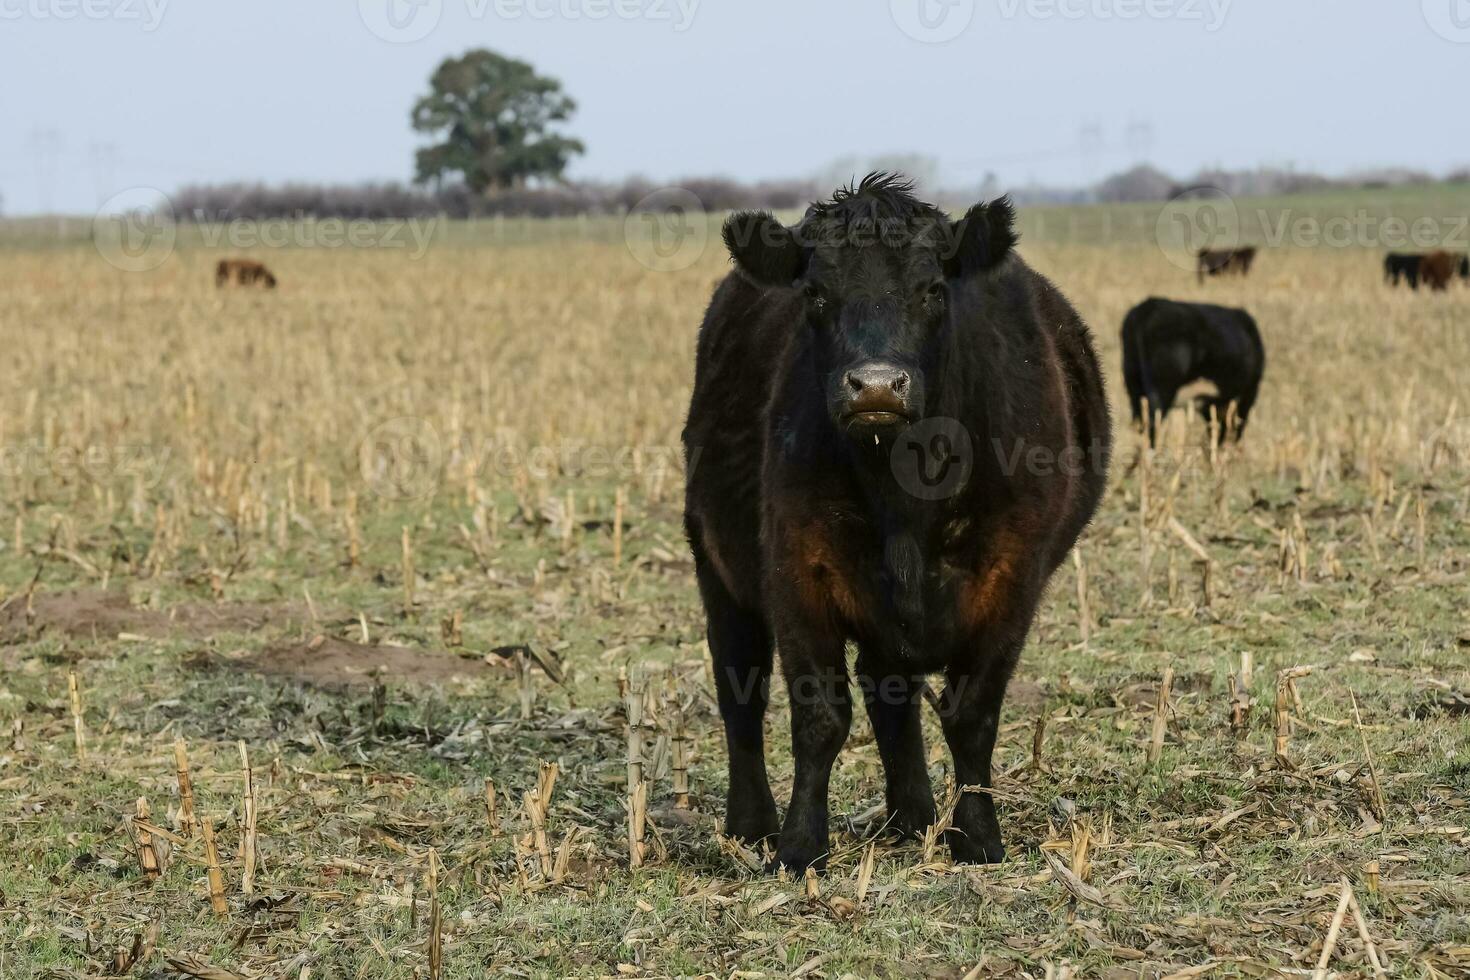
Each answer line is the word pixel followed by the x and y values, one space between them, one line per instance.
pixel 876 395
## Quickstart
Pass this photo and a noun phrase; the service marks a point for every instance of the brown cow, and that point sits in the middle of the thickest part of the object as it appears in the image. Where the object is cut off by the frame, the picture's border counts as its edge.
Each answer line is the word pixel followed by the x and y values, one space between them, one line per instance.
pixel 244 272
pixel 1437 269
pixel 1216 262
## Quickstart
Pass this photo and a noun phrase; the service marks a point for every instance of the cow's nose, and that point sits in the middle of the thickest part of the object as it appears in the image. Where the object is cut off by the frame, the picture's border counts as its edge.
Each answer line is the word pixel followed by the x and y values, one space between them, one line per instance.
pixel 878 377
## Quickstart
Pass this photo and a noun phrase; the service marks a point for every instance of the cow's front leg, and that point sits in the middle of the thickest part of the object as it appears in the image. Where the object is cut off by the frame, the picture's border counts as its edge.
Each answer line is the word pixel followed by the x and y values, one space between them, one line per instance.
pixel 821 713
pixel 893 701
pixel 970 714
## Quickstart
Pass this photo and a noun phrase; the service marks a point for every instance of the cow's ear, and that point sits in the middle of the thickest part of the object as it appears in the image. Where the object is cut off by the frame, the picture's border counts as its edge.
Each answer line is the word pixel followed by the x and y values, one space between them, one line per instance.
pixel 764 249
pixel 981 239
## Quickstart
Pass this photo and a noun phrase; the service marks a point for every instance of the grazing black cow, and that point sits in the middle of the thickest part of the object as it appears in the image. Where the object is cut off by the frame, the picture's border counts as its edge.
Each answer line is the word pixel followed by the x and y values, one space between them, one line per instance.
pixel 1167 345
pixel 1215 262
pixel 1464 269
pixel 1402 265
pixel 898 430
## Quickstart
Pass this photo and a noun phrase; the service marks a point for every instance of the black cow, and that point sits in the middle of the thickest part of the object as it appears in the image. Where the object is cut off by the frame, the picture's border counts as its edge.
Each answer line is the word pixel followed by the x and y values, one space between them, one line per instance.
pixel 1167 345
pixel 1402 265
pixel 898 430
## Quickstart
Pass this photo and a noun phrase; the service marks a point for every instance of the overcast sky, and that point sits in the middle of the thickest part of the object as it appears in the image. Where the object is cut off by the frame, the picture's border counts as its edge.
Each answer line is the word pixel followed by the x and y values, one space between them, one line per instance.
pixel 97 96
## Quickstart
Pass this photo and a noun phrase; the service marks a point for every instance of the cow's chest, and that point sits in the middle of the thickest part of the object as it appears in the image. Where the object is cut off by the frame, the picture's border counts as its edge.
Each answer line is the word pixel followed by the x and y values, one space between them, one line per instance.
pixel 913 595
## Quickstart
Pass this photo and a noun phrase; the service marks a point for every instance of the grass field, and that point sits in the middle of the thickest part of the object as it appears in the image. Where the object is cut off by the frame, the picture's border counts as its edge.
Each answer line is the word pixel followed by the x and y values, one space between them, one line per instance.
pixel 318 522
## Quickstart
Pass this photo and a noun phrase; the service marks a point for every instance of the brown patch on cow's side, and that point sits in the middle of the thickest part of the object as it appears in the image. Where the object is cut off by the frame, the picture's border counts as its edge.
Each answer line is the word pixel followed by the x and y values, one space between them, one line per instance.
pixel 821 578
pixel 87 614
pixel 1437 269
pixel 328 662
pixel 985 596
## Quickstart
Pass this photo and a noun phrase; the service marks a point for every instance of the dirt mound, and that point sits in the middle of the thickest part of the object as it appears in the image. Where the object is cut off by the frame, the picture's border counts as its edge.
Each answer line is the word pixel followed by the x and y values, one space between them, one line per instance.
pixel 95 613
pixel 332 663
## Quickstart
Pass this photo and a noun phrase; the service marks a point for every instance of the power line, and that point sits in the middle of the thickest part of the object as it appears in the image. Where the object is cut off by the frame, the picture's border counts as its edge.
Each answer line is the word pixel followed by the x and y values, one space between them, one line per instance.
pixel 46 147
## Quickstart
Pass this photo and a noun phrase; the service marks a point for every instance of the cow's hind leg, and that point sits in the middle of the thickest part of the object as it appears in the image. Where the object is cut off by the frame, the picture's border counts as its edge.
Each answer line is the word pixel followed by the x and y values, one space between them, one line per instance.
pixel 1243 405
pixel 740 646
pixel 1133 382
pixel 1214 411
pixel 1158 411
pixel 893 702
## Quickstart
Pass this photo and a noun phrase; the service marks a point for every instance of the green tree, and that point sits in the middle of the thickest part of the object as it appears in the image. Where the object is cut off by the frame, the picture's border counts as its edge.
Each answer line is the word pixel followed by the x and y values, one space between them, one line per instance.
pixel 493 117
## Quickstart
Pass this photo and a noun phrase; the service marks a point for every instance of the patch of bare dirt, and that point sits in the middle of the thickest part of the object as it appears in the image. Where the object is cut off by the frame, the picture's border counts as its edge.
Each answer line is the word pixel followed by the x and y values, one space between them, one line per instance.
pixel 329 662
pixel 99 614
pixel 1024 691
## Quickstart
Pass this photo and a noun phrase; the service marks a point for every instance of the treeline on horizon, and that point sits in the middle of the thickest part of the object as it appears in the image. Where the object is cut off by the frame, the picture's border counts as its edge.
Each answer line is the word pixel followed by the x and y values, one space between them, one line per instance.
pixel 212 203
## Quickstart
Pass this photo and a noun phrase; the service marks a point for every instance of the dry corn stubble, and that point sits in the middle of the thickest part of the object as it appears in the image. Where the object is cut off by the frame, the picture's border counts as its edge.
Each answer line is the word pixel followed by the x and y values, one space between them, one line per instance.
pixel 248 446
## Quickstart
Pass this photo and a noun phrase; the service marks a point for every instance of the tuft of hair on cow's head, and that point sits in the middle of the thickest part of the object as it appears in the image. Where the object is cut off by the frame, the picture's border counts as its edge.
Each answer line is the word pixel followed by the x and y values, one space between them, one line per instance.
pixel 874 268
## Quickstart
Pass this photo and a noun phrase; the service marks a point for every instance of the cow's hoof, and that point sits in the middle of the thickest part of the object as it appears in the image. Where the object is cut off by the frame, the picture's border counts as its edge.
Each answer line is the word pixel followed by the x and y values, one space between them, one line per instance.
pixel 974 850
pixel 752 825
pixel 796 863
pixel 910 820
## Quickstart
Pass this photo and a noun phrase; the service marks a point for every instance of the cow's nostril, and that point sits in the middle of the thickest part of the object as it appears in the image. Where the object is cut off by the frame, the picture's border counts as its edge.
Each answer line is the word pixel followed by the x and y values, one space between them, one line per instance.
pixel 901 383
pixel 855 383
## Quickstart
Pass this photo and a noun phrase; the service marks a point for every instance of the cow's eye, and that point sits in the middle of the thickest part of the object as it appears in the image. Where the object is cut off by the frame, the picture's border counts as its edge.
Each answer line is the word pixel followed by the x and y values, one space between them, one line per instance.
pixel 934 293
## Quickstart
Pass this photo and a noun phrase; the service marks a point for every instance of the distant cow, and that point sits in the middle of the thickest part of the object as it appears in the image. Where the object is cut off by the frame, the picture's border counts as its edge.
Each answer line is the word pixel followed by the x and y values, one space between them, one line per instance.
pixel 244 272
pixel 1216 262
pixel 1402 265
pixel 897 432
pixel 1167 345
pixel 1439 268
